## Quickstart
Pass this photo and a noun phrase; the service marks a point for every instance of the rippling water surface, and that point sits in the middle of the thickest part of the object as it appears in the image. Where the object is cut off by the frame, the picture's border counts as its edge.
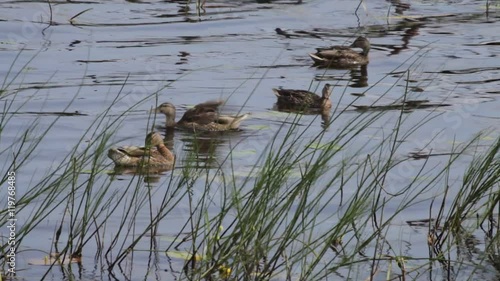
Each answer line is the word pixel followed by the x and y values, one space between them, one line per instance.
pixel 95 50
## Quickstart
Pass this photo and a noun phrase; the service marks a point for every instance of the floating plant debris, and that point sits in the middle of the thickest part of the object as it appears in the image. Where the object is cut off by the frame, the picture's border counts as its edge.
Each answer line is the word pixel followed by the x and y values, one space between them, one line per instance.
pixel 421 223
pixel 55 113
pixel 424 155
pixel 406 105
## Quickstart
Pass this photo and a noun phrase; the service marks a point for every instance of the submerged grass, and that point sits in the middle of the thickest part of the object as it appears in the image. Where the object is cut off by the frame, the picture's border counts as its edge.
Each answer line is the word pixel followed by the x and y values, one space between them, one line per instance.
pixel 303 212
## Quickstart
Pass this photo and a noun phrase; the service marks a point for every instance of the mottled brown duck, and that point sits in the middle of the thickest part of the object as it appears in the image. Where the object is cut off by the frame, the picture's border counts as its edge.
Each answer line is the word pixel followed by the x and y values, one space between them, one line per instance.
pixel 343 56
pixel 154 154
pixel 304 100
pixel 203 117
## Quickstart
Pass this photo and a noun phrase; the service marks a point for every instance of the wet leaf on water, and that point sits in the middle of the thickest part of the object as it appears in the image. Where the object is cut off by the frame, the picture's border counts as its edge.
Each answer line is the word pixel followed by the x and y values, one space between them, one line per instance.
pixel 8 42
pixel 487 138
pixel 258 127
pixel 241 153
pixel 28 69
pixel 421 222
pixel 53 258
pixel 317 145
pixel 183 255
pixel 490 7
pixel 248 172
pixel 295 174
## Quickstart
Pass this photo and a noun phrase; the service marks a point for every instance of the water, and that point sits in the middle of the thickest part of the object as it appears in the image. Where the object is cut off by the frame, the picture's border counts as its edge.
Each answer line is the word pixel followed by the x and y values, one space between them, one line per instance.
pixel 232 51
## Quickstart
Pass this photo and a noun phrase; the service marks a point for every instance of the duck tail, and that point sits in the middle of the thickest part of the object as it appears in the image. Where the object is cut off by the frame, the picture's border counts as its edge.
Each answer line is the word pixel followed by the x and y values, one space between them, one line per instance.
pixel 316 59
pixel 238 119
pixel 277 92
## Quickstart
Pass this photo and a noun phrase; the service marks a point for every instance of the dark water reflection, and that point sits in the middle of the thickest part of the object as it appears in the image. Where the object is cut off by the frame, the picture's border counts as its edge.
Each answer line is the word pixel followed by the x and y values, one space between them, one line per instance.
pixel 202 149
pixel 325 115
pixel 400 6
pixel 150 175
pixel 359 77
pixel 356 77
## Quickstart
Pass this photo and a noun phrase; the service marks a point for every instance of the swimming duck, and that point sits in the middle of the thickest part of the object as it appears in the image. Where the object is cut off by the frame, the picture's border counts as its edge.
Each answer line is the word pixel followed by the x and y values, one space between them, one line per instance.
pixel 304 100
pixel 155 154
pixel 203 117
pixel 342 56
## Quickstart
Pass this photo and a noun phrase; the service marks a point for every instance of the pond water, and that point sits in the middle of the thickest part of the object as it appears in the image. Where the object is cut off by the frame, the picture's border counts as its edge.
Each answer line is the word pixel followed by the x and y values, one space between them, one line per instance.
pixel 230 50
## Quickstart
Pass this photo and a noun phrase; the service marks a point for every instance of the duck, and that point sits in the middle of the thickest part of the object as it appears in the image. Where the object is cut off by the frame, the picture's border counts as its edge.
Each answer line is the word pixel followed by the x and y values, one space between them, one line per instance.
pixel 304 100
pixel 203 117
pixel 343 56
pixel 155 154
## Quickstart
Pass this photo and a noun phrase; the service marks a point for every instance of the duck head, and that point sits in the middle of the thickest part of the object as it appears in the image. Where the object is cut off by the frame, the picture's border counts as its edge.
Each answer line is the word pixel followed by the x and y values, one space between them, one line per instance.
pixel 327 91
pixel 168 110
pixel 362 43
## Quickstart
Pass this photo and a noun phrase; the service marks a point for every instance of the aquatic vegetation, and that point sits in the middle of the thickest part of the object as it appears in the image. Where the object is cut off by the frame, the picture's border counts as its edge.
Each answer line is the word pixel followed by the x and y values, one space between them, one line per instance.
pixel 405 105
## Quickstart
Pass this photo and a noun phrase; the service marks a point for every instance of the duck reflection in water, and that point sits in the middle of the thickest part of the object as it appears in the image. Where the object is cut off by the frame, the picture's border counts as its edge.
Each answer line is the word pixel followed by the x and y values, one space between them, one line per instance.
pixel 148 174
pixel 359 77
pixel 201 149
